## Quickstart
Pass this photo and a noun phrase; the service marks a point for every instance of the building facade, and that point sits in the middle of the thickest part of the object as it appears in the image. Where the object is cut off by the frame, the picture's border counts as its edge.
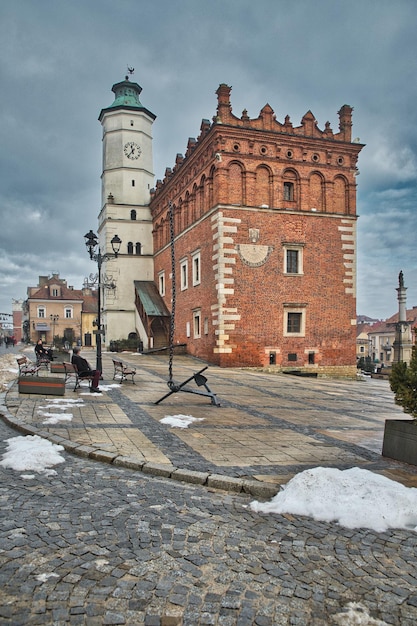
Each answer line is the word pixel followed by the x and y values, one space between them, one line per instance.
pixel 53 309
pixel 263 219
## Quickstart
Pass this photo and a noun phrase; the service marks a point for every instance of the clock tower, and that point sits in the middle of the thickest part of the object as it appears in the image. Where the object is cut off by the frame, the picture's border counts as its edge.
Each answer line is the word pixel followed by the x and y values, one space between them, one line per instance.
pixel 127 179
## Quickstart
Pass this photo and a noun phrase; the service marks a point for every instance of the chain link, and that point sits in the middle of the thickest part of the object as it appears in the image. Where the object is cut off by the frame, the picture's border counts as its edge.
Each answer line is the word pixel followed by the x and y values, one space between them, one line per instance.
pixel 174 295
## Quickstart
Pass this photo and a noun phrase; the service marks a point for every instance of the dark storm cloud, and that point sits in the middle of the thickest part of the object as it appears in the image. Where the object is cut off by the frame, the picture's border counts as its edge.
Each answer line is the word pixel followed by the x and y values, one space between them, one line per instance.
pixel 59 59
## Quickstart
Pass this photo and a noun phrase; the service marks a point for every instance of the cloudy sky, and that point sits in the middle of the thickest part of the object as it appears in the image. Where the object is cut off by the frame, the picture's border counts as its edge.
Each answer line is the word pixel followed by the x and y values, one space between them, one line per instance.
pixel 60 58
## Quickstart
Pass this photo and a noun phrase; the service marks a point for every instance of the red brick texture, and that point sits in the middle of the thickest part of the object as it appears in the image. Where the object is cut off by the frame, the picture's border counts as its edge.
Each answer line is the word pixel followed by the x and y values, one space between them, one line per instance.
pixel 246 192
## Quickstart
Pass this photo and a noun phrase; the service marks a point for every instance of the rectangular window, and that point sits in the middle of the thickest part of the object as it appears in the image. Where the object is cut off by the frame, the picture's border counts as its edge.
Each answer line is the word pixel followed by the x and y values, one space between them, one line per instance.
pixel 55 292
pixel 293 258
pixel 41 312
pixel 292 356
pixel 311 356
pixel 184 274
pixel 161 279
pixel 196 269
pixel 294 322
pixel 68 313
pixel 292 262
pixel 289 192
pixel 197 324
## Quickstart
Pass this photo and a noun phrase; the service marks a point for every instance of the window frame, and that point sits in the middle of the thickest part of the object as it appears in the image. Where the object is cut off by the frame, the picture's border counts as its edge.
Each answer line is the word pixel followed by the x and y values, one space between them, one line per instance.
pixel 288 191
pixel 161 283
pixel 197 324
pixel 294 310
pixel 184 274
pixel 299 249
pixel 196 268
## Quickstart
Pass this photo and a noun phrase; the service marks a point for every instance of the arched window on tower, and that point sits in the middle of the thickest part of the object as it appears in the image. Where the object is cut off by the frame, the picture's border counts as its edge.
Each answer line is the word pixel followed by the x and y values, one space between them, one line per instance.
pixel 130 248
pixel 133 214
pixel 138 248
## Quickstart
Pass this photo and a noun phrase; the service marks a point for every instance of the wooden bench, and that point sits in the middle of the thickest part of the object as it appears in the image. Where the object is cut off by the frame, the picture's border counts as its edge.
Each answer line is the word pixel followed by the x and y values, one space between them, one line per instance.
pixel 43 361
pixel 122 371
pixel 71 372
pixel 27 367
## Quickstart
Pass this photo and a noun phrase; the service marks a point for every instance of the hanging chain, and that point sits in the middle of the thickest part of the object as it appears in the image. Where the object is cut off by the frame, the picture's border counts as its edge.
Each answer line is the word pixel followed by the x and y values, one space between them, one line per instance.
pixel 174 294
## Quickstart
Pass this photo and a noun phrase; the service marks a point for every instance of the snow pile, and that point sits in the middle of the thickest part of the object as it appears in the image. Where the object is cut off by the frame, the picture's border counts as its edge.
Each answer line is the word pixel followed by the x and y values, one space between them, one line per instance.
pixel 32 453
pixel 61 404
pixel 180 421
pixel 355 498
pixel 356 615
pixel 9 370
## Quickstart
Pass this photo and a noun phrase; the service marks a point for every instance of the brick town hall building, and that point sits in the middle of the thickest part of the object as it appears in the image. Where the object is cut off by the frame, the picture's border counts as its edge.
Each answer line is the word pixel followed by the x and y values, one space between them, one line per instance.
pixel 264 217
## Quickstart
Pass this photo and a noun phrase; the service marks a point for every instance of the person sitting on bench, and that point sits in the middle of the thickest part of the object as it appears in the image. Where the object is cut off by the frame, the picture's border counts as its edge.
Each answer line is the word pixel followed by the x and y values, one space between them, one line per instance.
pixel 84 369
pixel 42 352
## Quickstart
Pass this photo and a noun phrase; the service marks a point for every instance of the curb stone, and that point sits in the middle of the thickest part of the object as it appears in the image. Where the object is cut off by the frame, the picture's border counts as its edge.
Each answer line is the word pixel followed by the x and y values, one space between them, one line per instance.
pixel 214 481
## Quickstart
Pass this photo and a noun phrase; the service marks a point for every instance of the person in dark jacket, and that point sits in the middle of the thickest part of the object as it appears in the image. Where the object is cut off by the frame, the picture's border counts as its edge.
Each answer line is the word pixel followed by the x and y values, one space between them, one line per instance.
pixel 84 369
pixel 42 352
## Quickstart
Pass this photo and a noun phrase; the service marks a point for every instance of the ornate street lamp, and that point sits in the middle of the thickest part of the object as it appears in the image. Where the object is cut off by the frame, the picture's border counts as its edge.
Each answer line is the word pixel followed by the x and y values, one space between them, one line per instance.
pixel 91 241
pixel 54 319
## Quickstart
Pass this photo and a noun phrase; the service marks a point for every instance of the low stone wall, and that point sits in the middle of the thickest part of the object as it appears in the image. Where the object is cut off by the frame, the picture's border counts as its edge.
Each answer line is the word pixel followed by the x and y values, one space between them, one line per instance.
pixel 335 371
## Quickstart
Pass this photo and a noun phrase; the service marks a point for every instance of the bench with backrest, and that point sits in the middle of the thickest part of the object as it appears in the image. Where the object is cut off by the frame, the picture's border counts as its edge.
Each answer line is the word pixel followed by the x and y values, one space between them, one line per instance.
pixel 27 367
pixel 42 361
pixel 123 371
pixel 71 373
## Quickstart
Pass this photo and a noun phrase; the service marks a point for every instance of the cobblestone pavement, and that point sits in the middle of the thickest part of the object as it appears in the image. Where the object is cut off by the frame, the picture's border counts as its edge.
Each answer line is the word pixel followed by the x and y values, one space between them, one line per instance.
pixel 101 544
pixel 97 544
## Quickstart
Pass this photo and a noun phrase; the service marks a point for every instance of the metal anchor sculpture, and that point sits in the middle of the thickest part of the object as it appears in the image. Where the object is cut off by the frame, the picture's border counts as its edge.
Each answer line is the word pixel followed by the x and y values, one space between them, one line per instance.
pixel 199 379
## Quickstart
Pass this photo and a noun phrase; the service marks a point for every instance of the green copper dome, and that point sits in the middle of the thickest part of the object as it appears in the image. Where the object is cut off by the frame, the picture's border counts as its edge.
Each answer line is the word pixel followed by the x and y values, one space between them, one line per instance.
pixel 127 94
pixel 126 97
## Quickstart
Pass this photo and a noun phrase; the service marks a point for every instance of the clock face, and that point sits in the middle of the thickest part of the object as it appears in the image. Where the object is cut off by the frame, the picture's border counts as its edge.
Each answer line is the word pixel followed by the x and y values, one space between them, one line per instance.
pixel 132 150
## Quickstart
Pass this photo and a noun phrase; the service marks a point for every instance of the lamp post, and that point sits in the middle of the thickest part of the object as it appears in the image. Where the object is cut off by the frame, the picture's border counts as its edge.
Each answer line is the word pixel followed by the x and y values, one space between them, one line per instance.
pixel 91 241
pixel 54 319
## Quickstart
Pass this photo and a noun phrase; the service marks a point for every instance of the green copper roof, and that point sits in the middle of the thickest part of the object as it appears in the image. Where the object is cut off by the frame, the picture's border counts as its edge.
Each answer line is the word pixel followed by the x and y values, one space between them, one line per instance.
pixel 151 299
pixel 127 94
pixel 127 97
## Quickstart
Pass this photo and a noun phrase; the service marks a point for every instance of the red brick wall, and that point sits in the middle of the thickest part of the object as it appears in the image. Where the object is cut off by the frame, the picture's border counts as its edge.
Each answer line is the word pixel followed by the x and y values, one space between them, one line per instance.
pixel 229 204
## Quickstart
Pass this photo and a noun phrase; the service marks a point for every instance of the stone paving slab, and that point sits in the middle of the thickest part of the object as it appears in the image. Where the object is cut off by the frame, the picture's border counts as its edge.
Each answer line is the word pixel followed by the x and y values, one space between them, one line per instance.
pixel 268 427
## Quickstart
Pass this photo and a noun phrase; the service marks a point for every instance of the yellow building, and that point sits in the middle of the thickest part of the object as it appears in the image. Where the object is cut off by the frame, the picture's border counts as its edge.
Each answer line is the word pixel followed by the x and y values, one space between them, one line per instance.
pixel 54 311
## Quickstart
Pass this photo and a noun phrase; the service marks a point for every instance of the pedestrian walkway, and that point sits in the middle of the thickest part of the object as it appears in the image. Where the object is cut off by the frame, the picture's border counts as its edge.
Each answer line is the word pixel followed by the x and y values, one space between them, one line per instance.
pixel 267 428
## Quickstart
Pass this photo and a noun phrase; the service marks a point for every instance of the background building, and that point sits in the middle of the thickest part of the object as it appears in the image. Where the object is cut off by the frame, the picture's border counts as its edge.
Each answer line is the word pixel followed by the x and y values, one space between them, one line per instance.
pixel 53 310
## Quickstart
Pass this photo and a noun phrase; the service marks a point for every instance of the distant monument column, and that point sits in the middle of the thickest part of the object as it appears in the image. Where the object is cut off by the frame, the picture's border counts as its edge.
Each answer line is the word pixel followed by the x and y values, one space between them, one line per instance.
pixel 403 341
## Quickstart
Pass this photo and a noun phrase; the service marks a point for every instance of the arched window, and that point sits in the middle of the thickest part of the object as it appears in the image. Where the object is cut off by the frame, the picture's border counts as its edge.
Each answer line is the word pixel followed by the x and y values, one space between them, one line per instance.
pixel 262 195
pixel 235 184
pixel 130 248
pixel 316 190
pixel 340 195
pixel 133 214
pixel 138 248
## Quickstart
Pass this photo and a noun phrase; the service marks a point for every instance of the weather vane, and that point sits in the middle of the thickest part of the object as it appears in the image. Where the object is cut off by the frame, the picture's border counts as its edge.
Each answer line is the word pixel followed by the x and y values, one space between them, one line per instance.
pixel 131 71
